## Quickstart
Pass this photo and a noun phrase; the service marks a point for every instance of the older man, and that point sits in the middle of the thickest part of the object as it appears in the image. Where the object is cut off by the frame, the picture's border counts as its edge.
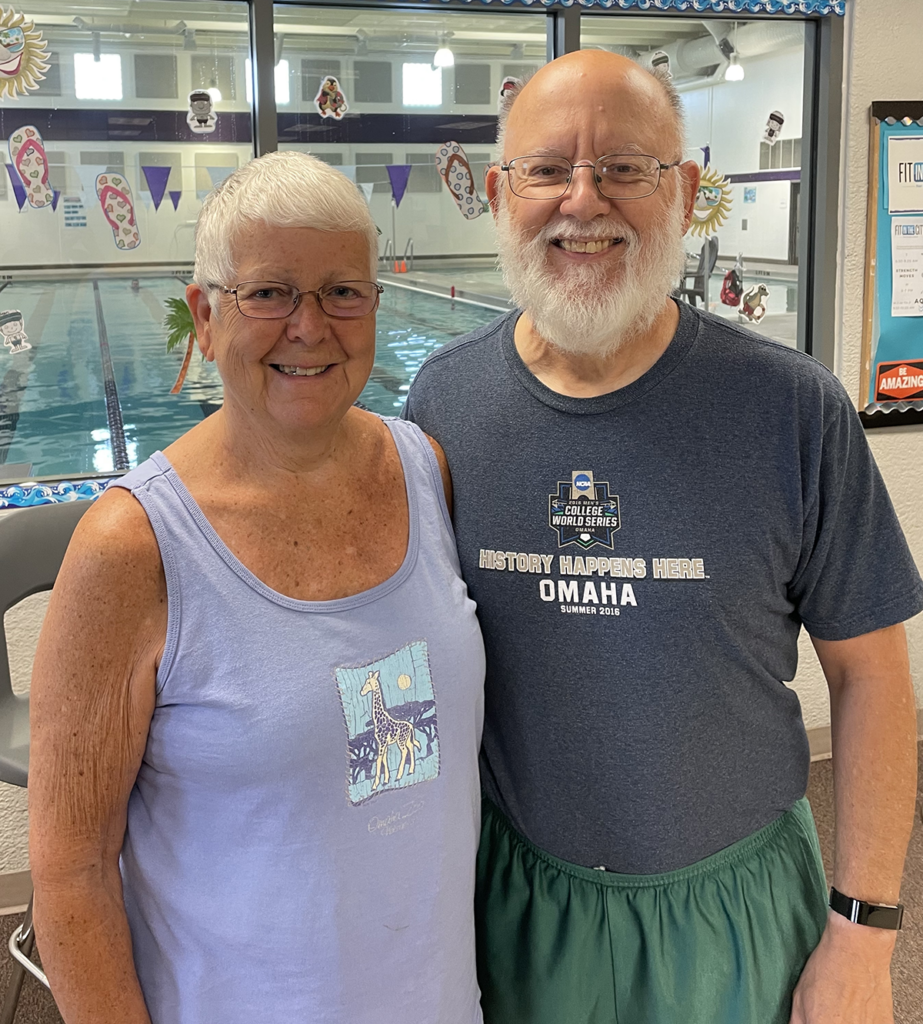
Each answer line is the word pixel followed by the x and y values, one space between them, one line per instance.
pixel 650 503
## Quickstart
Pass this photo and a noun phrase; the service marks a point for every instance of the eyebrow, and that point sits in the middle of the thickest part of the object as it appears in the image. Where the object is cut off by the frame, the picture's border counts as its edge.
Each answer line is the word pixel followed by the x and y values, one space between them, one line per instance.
pixel 627 147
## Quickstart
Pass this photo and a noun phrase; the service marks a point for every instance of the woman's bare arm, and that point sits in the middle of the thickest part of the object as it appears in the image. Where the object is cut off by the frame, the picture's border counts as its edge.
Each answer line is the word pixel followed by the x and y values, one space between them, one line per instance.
pixel 92 699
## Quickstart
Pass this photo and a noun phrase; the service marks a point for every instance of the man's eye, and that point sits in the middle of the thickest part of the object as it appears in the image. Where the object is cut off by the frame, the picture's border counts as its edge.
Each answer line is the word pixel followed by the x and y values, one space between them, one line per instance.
pixel 342 291
pixel 266 294
pixel 546 171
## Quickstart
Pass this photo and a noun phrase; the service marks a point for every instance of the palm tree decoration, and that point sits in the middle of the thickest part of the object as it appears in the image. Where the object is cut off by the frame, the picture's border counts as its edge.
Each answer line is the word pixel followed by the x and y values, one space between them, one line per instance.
pixel 180 326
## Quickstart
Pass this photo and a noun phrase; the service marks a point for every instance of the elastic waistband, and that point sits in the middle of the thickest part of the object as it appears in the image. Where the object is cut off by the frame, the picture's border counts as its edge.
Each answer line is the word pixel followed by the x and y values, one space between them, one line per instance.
pixel 798 819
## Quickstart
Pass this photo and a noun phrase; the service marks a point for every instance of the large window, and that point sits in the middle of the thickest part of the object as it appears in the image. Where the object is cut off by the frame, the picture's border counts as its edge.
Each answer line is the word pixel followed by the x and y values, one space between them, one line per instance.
pixel 109 163
pixel 93 248
pixel 734 77
pixel 402 105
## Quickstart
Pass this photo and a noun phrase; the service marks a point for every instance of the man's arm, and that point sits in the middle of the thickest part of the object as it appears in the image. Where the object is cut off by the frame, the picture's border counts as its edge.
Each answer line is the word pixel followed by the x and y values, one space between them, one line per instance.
pixel 847 979
pixel 92 700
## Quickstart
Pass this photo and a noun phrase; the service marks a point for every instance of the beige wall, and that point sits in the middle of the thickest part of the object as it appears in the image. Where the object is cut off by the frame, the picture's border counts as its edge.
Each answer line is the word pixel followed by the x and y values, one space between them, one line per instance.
pixel 879 66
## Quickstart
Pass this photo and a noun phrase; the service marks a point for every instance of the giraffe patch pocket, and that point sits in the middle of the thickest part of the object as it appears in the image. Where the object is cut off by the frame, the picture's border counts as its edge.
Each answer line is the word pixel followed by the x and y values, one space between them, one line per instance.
pixel 391 732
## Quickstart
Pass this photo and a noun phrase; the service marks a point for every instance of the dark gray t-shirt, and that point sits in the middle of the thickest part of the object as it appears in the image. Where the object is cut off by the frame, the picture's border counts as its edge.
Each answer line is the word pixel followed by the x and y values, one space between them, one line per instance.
pixel 642 563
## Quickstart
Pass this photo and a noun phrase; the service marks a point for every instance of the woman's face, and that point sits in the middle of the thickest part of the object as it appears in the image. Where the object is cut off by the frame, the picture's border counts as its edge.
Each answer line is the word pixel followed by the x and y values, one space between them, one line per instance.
pixel 256 358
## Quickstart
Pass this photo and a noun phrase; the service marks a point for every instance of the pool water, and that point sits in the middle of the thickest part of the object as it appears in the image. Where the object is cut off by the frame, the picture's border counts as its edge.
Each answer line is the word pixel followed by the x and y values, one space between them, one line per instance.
pixel 58 415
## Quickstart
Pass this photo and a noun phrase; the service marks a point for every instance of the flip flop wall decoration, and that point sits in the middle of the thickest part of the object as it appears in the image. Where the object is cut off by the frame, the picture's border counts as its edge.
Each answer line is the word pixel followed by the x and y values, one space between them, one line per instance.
pixel 114 195
pixel 455 171
pixel 27 152
pixel 23 55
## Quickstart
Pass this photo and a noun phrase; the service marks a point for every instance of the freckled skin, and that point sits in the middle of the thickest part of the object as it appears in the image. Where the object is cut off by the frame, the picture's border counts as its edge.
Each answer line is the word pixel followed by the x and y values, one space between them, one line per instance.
pixel 305 490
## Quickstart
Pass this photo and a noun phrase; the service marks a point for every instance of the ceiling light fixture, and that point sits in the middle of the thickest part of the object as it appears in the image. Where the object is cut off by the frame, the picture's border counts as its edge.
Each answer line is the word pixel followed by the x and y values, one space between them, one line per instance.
pixel 444 57
pixel 735 71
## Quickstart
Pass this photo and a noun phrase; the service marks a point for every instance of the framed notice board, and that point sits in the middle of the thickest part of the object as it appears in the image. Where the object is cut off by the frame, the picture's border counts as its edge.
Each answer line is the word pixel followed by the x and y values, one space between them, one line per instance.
pixel 891 388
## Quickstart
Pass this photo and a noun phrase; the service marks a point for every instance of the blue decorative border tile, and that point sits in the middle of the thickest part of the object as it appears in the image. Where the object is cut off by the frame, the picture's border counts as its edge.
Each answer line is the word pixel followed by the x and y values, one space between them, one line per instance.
pixel 697 6
pixel 28 495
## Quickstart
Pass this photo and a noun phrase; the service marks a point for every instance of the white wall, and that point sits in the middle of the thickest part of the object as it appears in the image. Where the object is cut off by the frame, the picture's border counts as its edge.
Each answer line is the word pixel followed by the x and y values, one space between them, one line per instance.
pixel 879 66
pixel 730 117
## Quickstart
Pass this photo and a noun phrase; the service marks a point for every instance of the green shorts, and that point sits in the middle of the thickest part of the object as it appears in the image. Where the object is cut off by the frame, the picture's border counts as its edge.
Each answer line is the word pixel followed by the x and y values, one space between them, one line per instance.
pixel 720 942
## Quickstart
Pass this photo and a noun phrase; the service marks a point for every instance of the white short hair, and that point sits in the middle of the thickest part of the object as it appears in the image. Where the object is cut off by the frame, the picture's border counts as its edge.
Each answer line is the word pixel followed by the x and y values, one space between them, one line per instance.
pixel 281 190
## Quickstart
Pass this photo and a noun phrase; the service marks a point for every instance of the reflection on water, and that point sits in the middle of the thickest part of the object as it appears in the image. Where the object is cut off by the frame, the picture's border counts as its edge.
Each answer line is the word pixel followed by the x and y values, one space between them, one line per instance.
pixel 53 412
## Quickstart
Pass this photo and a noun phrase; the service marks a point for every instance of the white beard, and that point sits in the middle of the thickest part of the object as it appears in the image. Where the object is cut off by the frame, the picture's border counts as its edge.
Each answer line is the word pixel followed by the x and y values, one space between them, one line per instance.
pixel 592 309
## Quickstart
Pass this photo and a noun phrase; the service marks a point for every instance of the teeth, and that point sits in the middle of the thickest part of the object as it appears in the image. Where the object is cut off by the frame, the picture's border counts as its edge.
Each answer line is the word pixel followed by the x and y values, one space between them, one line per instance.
pixel 302 371
pixel 570 245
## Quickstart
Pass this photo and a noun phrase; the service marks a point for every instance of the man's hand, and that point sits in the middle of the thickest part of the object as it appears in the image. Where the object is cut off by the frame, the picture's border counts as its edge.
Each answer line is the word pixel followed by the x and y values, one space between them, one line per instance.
pixel 847 979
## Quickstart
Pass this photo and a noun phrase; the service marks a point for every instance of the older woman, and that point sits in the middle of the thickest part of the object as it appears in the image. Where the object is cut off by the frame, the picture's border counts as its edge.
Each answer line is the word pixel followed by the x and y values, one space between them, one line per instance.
pixel 257 695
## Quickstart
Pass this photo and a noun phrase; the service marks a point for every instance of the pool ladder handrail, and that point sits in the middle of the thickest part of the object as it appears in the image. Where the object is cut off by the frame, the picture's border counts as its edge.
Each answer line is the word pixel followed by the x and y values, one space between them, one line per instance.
pixel 408 255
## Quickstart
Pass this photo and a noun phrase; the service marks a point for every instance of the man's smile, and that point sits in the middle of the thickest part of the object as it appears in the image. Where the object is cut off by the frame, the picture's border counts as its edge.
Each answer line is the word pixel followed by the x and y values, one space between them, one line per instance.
pixel 591 245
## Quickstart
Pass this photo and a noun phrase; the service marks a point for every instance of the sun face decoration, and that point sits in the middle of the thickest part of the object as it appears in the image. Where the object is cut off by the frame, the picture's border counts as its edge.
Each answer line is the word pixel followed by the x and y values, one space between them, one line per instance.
pixel 23 54
pixel 712 203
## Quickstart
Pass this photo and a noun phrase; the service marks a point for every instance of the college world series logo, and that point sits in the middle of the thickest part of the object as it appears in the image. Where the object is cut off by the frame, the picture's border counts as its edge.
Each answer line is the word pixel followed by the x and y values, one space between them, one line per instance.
pixel 583 512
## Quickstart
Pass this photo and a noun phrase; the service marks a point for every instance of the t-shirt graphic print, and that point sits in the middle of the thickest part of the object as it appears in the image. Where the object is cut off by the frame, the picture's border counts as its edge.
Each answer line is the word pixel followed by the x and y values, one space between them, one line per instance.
pixel 390 710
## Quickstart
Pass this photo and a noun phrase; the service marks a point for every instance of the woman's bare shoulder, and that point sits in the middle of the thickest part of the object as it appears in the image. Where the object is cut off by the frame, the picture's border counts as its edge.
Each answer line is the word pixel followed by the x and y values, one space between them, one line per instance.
pixel 114 548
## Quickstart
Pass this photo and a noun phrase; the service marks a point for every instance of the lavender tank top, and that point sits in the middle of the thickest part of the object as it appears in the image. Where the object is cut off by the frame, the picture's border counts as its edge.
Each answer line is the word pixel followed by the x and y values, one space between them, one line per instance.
pixel 302 833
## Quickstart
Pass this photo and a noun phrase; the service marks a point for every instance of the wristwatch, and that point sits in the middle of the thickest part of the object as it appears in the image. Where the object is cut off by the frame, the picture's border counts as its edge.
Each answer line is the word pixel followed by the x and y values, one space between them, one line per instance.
pixel 876 915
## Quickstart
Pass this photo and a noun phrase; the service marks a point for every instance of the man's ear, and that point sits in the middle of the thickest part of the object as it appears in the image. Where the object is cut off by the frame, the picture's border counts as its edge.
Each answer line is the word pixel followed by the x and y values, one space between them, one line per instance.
pixel 690 175
pixel 493 182
pixel 202 314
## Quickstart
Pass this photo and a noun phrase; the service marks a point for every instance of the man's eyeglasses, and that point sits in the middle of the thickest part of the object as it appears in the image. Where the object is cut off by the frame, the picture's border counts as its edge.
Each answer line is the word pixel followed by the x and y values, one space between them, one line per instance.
pixel 272 300
pixel 617 176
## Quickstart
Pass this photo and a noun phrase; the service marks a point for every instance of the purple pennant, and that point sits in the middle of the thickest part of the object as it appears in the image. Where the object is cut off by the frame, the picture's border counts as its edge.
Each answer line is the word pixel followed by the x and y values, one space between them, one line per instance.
pixel 706 155
pixel 156 183
pixel 398 173
pixel 16 182
pixel 54 199
pixel 174 196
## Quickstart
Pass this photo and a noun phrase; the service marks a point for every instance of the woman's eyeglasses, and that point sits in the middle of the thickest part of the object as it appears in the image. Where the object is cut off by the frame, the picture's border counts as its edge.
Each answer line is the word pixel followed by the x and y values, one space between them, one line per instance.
pixel 272 300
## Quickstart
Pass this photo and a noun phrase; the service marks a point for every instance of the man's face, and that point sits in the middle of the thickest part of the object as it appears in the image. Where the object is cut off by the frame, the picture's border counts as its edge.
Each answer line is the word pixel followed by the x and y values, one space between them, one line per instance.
pixel 636 249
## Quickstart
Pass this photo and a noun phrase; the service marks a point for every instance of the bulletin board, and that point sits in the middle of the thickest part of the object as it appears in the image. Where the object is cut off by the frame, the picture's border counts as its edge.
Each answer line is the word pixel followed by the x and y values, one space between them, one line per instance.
pixel 891 383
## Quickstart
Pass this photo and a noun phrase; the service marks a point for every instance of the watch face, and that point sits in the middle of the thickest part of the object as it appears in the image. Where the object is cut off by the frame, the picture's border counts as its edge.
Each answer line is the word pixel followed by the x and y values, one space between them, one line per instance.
pixel 884 917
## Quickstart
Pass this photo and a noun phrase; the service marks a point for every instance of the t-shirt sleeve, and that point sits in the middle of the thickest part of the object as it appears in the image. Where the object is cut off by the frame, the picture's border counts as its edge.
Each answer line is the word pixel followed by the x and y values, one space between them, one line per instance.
pixel 856 573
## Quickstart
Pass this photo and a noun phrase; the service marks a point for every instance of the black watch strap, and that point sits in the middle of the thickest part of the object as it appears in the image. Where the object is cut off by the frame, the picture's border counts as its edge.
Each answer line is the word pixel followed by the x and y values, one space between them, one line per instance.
pixel 873 914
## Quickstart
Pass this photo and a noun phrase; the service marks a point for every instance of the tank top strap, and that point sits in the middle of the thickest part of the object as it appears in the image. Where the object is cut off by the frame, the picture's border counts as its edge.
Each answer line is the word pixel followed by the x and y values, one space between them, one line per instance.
pixel 421 474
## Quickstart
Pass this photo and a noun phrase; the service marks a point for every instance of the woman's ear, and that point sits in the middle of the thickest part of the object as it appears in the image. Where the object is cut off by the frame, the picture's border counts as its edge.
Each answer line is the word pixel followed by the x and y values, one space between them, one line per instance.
pixel 202 314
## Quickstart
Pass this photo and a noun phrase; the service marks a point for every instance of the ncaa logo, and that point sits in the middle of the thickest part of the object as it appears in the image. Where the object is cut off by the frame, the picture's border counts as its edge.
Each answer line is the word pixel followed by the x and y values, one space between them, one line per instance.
pixel 581 485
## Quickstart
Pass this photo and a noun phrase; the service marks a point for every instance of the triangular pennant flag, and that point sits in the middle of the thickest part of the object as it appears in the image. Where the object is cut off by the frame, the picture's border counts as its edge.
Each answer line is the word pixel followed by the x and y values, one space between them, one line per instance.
pixel 174 196
pixel 157 182
pixel 399 174
pixel 368 187
pixel 349 170
pixel 16 182
pixel 88 173
pixel 54 200
pixel 218 174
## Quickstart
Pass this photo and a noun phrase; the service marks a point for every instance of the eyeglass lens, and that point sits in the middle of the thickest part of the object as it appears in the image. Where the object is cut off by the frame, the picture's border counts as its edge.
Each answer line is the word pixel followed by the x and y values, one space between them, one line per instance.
pixel 618 176
pixel 270 300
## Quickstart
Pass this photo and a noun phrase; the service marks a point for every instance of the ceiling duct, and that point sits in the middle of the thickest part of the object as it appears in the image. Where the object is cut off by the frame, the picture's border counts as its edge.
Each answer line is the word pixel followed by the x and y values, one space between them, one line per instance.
pixel 707 54
pixel 132 29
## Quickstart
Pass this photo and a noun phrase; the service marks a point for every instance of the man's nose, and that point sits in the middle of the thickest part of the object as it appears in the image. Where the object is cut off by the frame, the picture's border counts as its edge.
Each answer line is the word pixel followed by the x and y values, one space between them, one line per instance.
pixel 583 199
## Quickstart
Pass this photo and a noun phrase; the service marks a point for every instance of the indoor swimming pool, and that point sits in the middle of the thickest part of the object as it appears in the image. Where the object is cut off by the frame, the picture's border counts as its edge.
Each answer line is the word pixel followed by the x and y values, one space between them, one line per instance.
pixel 92 394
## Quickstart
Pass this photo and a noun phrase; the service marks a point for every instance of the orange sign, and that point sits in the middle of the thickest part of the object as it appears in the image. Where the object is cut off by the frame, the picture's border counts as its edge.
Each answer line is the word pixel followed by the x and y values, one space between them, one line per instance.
pixel 896 382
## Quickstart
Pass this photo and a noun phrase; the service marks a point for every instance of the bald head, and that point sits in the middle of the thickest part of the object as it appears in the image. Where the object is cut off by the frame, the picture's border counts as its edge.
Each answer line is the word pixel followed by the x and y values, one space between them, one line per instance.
pixel 618 93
